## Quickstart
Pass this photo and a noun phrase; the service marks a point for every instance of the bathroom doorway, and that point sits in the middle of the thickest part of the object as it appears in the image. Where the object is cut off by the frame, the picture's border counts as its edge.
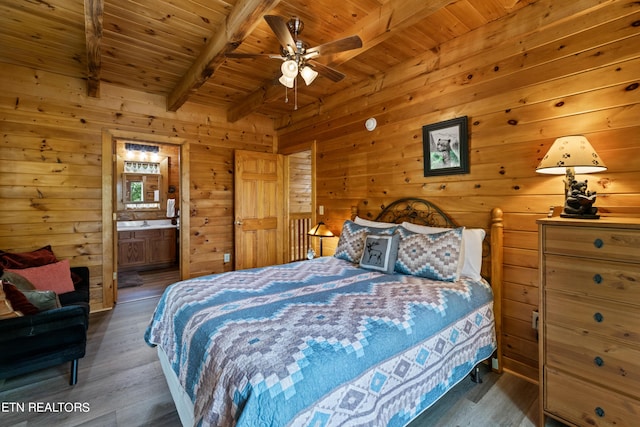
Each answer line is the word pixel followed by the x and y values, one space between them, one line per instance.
pixel 144 246
pixel 147 178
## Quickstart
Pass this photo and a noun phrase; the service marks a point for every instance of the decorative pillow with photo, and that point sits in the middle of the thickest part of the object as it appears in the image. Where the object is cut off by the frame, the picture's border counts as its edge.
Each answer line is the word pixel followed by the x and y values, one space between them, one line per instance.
pixel 352 237
pixel 380 252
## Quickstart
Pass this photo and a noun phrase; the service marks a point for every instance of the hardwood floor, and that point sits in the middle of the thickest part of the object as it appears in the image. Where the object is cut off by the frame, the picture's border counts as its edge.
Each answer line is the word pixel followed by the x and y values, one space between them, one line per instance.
pixel 153 284
pixel 120 383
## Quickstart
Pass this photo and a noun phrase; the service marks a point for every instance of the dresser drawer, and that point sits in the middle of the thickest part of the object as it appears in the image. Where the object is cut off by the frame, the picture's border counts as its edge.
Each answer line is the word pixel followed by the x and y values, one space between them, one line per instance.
pixel 604 243
pixel 604 362
pixel 585 404
pixel 593 316
pixel 602 279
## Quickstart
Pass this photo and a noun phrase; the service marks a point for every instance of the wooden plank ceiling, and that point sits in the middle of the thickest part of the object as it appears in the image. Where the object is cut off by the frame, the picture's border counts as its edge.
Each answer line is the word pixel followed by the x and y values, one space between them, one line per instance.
pixel 177 48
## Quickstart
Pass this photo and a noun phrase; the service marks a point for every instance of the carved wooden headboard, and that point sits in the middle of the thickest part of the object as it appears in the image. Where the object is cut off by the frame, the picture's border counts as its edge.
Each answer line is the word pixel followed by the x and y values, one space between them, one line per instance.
pixel 416 211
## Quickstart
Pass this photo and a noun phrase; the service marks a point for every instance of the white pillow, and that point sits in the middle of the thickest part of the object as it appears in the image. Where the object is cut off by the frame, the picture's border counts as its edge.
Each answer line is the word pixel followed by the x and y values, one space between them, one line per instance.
pixel 471 240
pixel 374 224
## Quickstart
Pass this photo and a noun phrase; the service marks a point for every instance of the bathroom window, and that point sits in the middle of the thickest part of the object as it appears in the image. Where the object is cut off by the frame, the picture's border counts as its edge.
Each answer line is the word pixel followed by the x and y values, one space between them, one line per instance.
pixel 136 191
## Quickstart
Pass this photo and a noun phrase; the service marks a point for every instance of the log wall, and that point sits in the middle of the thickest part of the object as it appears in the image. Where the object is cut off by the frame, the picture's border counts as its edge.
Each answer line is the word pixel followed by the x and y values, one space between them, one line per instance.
pixel 51 185
pixel 551 69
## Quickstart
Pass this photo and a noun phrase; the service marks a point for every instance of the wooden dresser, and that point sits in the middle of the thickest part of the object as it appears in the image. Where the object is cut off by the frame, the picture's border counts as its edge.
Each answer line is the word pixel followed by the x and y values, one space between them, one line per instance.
pixel 590 321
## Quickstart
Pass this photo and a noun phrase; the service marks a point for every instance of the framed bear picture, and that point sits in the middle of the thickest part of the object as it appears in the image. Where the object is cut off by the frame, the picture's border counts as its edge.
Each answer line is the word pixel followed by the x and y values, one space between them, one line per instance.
pixel 446 147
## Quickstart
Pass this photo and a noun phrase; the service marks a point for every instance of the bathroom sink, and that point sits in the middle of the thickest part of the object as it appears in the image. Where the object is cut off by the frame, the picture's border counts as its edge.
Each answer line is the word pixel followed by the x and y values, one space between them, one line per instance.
pixel 149 224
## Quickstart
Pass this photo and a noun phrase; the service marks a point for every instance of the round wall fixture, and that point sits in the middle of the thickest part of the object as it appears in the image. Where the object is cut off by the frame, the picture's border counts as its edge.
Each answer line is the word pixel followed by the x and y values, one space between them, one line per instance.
pixel 370 124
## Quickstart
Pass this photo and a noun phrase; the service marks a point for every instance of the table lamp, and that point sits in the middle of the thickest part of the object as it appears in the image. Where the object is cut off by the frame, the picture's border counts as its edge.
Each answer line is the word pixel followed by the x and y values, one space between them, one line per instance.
pixel 573 155
pixel 320 230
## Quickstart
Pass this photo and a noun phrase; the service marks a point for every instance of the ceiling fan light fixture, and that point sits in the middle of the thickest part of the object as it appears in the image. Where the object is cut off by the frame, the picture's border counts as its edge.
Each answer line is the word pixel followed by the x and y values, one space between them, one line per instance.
pixel 289 69
pixel 287 81
pixel 308 74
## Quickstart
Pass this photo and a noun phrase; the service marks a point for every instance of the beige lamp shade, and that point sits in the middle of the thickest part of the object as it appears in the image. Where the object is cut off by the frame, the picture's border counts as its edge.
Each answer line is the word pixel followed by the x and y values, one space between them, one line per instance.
pixel 320 230
pixel 571 155
pixel 573 151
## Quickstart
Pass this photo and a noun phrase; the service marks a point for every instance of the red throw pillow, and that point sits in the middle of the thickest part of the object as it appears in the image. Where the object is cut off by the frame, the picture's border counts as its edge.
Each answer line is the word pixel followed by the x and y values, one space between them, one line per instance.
pixel 18 301
pixel 42 256
pixel 51 277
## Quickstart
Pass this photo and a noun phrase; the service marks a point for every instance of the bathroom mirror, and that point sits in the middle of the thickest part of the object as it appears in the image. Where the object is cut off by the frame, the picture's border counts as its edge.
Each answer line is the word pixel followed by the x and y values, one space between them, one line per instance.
pixel 142 185
pixel 142 188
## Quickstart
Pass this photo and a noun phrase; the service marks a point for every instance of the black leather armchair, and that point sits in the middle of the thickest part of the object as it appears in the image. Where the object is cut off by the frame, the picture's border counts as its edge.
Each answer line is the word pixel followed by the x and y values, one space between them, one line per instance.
pixel 48 338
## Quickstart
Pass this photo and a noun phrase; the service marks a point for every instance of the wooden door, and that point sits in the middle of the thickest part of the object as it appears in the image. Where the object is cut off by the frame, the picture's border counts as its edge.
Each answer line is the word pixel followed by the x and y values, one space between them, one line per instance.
pixel 259 209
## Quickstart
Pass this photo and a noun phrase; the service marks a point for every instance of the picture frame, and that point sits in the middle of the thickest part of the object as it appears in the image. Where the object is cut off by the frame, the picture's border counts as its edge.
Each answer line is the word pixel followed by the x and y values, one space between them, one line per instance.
pixel 446 147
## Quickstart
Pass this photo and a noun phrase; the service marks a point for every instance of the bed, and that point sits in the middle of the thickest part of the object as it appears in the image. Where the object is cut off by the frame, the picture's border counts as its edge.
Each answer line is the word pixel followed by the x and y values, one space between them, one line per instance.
pixel 368 336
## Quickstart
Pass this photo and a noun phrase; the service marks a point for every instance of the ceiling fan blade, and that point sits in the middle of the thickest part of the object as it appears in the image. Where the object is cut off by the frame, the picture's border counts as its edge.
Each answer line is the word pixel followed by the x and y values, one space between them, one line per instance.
pixel 279 27
pixel 326 71
pixel 347 43
pixel 253 55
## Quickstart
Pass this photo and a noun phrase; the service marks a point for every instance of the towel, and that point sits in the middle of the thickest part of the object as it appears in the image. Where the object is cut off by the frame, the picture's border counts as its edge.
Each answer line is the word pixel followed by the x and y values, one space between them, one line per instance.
pixel 171 208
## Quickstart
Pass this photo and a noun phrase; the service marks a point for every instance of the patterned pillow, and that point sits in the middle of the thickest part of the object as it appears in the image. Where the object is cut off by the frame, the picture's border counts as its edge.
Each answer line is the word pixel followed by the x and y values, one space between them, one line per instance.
pixel 471 246
pixel 434 256
pixel 351 242
pixel 380 252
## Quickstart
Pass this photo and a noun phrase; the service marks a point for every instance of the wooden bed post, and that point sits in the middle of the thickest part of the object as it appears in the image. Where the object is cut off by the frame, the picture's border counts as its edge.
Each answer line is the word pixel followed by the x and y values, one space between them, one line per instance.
pixel 497 229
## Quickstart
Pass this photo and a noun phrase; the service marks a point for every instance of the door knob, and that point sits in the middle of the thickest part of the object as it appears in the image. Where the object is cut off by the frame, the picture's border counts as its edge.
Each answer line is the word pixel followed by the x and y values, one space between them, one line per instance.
pixel 237 222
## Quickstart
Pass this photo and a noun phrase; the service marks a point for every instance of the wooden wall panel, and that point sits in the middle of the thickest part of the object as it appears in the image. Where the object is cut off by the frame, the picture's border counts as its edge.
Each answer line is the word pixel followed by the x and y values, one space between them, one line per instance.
pixel 51 167
pixel 299 182
pixel 546 71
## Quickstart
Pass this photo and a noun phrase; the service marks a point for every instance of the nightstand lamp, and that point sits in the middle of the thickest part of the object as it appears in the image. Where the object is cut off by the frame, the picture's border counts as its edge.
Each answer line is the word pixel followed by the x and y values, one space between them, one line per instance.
pixel 320 230
pixel 573 155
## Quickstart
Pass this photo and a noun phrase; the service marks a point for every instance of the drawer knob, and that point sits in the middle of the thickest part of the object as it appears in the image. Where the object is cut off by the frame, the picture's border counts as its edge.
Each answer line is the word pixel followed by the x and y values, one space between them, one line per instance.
pixel 598 361
pixel 597 279
pixel 598 243
pixel 599 412
pixel 598 317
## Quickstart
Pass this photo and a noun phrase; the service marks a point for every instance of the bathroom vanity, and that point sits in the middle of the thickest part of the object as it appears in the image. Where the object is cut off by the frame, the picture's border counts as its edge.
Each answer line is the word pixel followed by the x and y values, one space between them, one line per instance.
pixel 146 245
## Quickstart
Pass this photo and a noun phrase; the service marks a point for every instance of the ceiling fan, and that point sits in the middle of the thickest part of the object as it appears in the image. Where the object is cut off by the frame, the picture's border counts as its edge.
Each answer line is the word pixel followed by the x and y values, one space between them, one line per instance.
pixel 297 56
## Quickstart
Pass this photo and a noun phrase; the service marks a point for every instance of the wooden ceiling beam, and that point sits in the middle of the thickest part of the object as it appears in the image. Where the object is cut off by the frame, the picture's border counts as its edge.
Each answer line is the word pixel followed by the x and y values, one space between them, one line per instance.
pixel 93 15
pixel 242 20
pixel 375 28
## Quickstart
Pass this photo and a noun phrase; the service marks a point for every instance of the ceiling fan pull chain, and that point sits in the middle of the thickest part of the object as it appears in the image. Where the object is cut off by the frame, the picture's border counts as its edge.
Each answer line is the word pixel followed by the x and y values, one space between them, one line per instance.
pixel 295 90
pixel 286 95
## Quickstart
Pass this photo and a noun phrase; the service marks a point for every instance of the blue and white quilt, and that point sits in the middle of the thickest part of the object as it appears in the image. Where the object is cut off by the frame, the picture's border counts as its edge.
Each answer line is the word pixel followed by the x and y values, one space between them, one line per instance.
pixel 320 343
